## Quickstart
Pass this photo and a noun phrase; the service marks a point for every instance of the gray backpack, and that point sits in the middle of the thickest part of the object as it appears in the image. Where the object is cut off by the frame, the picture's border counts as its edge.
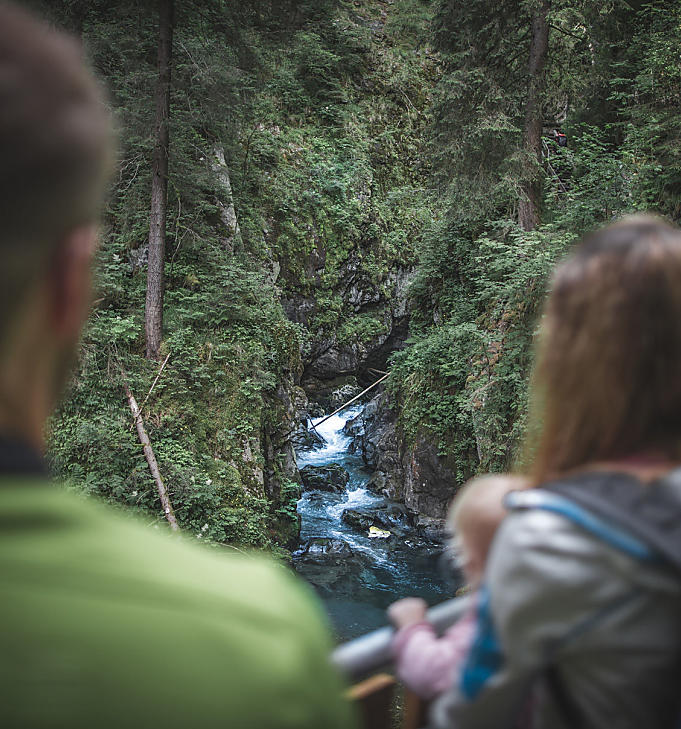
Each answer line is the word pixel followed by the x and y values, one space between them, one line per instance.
pixel 641 520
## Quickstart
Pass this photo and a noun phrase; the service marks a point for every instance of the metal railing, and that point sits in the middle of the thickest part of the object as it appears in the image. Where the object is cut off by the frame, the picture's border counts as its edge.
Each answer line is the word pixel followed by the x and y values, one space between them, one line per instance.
pixel 371 654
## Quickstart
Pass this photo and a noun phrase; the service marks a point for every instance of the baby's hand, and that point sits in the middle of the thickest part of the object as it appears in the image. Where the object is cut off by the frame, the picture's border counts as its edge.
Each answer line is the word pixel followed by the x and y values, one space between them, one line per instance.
pixel 408 611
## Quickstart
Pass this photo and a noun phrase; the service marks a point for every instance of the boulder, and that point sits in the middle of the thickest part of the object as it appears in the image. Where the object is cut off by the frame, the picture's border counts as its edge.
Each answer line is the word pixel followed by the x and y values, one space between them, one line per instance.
pixel 323 550
pixel 331 477
pixel 344 393
pixel 354 427
pixel 433 529
pixel 331 565
pixel 307 439
pixel 395 518
pixel 360 519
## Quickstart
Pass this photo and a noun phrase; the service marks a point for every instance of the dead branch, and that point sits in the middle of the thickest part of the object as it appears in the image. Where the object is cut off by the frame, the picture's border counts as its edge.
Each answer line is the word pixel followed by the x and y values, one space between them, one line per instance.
pixel 153 384
pixel 149 453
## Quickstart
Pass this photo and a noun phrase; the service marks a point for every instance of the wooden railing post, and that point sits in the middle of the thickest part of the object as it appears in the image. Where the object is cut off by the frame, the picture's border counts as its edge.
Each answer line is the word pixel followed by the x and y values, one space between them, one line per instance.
pixel 415 710
pixel 375 698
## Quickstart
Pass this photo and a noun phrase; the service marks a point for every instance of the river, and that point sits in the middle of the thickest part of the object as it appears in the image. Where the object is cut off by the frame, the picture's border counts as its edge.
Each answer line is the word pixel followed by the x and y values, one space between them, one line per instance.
pixel 369 573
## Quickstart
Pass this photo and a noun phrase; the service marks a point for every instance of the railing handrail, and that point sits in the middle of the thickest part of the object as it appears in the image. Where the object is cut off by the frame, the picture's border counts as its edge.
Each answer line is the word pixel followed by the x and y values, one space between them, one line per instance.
pixel 371 652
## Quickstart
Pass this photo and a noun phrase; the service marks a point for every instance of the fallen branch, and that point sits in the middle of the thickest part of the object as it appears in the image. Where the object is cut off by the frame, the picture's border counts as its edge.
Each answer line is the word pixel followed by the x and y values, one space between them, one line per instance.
pixel 349 402
pixel 153 384
pixel 149 454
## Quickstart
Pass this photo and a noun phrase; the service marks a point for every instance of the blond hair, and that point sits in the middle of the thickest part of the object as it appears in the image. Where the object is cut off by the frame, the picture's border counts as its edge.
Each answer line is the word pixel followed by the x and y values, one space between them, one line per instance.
pixel 478 506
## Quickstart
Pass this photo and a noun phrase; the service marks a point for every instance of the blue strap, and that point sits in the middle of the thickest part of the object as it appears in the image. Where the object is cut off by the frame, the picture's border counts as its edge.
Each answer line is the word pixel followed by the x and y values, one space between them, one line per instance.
pixel 610 534
pixel 485 657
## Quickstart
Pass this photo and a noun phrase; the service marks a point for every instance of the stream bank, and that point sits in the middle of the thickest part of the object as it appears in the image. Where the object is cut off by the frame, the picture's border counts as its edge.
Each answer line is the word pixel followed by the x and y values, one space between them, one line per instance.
pixel 357 575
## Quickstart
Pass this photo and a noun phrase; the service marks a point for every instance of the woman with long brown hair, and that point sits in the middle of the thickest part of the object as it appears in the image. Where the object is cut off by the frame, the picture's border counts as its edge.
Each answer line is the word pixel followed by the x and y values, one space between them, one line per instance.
pixel 582 610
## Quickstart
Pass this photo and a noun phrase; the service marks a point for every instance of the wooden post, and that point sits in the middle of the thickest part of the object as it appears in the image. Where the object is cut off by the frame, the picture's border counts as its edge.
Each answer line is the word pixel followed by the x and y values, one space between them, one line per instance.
pixel 374 698
pixel 415 711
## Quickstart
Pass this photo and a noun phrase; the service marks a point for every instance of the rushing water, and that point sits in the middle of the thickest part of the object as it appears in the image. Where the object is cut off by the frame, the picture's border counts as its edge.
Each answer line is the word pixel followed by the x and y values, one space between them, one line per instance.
pixel 357 588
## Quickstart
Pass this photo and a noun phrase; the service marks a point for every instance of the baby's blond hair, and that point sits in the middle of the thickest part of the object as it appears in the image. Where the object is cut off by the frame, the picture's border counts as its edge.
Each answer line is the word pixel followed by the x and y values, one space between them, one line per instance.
pixel 478 506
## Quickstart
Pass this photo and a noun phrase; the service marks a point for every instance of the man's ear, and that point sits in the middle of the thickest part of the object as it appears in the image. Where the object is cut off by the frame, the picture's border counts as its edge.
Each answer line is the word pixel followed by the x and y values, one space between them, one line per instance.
pixel 69 280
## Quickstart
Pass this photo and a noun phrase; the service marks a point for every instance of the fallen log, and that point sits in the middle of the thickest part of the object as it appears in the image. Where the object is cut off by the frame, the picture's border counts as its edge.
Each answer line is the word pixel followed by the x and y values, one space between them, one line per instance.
pixel 149 455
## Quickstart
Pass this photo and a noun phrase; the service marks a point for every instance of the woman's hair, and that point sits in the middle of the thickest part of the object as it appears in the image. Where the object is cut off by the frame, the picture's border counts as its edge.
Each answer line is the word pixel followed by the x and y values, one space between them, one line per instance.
pixel 607 381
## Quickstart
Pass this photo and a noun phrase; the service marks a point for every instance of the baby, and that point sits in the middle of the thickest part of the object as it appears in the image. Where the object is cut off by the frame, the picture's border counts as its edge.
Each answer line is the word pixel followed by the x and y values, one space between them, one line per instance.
pixel 426 664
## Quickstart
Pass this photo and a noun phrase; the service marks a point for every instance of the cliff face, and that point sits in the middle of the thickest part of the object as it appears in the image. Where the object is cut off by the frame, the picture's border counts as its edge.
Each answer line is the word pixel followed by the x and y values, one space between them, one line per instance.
pixel 347 243
pixel 409 471
pixel 345 205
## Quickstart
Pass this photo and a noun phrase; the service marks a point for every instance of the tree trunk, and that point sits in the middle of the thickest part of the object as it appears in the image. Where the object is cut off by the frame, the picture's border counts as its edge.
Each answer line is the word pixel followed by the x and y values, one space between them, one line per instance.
pixel 153 313
pixel 529 204
pixel 149 455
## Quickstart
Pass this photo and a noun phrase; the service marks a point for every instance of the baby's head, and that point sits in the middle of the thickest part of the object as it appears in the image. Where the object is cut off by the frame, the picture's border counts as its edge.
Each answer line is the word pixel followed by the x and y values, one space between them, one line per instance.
pixel 475 514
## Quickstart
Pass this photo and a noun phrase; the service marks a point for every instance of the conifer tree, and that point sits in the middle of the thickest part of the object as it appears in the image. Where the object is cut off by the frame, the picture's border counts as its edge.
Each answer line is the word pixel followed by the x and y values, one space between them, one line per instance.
pixel 153 314
pixel 530 201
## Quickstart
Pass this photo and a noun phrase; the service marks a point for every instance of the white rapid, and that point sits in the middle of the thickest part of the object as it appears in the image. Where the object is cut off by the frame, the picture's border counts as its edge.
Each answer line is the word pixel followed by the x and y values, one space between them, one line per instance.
pixel 336 441
pixel 336 450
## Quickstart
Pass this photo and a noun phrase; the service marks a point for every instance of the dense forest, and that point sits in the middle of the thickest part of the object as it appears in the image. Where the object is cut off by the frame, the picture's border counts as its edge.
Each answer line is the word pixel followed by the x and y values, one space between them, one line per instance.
pixel 312 192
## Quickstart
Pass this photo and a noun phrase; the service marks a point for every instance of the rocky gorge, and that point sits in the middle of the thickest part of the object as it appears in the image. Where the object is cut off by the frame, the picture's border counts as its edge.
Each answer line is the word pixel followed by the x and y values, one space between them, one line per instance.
pixel 411 472
pixel 359 548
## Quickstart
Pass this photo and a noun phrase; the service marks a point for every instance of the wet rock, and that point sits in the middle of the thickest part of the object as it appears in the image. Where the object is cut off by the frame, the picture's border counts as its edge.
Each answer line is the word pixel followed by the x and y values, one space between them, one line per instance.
pixel 375 433
pixel 354 427
pixel 376 440
pixel 360 519
pixel 395 518
pixel 432 529
pixel 430 480
pixel 424 546
pixel 307 439
pixel 412 472
pixel 331 477
pixel 344 393
pixel 378 483
pixel 332 359
pixel 331 565
pixel 321 392
pixel 323 550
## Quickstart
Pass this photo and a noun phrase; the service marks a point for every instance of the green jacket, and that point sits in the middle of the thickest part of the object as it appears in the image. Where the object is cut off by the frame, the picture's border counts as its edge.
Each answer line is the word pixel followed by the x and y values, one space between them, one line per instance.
pixel 106 622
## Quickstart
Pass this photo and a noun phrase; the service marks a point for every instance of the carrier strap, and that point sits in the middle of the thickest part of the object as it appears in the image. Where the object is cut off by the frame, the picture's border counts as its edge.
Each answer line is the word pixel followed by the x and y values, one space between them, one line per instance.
pixel 643 520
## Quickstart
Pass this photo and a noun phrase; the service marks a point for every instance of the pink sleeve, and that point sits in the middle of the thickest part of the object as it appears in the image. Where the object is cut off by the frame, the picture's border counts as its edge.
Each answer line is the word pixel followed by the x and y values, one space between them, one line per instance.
pixel 427 664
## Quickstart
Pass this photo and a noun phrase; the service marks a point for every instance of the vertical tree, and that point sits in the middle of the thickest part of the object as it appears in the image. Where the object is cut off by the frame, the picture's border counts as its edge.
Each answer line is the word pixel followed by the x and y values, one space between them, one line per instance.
pixel 153 314
pixel 529 203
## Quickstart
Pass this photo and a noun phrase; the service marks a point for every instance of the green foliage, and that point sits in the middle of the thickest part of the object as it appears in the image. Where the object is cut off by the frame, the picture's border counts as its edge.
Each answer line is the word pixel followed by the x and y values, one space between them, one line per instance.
pixel 464 377
pixel 481 280
pixel 360 329
pixel 319 119
pixel 361 139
